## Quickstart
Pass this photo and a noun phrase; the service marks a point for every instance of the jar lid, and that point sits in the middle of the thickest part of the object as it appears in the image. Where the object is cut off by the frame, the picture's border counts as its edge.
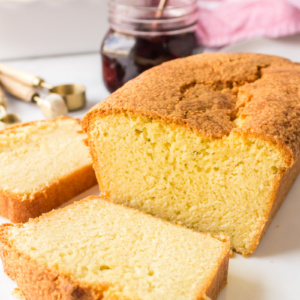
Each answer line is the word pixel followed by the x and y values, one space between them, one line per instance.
pixel 140 17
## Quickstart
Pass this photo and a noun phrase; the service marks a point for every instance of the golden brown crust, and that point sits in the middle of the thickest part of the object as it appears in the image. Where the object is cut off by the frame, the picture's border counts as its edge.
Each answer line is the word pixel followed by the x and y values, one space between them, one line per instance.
pixel 220 278
pixel 40 282
pixel 98 171
pixel 20 125
pixel 19 208
pixel 281 190
pixel 208 92
pixel 283 184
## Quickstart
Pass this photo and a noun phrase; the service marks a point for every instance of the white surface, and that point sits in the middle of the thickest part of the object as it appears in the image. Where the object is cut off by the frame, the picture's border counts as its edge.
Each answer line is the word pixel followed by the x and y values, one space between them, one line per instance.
pixel 273 271
pixel 36 28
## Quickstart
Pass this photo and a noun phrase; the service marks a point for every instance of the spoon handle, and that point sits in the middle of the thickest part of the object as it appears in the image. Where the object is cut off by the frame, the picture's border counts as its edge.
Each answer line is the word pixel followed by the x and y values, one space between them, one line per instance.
pixel 3 105
pixel 17 89
pixel 3 101
pixel 21 76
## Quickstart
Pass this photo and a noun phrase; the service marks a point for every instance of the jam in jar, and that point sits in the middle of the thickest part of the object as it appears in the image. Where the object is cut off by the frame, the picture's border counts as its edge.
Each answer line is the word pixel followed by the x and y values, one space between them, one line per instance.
pixel 142 37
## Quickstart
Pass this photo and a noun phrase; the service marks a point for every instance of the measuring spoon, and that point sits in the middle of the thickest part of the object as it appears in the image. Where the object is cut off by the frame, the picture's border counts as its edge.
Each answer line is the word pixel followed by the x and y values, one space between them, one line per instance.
pixel 73 94
pixel 51 106
pixel 5 118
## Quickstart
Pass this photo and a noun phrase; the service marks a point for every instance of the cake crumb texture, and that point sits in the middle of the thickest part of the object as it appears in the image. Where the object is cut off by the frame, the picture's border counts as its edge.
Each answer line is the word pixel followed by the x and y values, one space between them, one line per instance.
pixel 43 164
pixel 216 93
pixel 210 142
pixel 95 249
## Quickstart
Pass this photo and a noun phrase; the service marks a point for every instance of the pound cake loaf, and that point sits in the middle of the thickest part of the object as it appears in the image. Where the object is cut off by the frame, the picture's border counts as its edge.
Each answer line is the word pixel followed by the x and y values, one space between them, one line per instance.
pixel 94 249
pixel 43 164
pixel 210 141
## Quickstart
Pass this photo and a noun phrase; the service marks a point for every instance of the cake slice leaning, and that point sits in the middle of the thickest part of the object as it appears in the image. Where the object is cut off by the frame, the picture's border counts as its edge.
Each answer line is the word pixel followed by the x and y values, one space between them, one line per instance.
pixel 94 249
pixel 211 141
pixel 43 164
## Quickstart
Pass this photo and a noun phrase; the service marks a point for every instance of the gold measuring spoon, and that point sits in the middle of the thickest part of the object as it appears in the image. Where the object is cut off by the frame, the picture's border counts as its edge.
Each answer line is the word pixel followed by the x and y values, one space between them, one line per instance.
pixel 73 94
pixel 51 106
pixel 5 118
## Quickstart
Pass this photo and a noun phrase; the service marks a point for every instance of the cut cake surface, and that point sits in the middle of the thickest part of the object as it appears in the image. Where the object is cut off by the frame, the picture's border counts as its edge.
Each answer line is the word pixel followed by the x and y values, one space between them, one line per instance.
pixel 210 141
pixel 43 164
pixel 94 249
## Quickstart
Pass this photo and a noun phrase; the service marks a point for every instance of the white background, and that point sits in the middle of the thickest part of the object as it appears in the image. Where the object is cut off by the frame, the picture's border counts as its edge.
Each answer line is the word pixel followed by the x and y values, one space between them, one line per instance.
pixel 32 28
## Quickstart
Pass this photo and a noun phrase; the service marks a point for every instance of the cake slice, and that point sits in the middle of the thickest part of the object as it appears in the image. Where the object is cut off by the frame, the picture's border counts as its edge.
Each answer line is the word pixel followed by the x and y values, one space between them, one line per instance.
pixel 94 249
pixel 211 141
pixel 43 164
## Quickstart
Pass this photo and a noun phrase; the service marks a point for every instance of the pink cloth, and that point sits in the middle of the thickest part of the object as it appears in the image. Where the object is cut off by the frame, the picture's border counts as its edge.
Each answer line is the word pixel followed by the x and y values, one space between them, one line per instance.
pixel 232 21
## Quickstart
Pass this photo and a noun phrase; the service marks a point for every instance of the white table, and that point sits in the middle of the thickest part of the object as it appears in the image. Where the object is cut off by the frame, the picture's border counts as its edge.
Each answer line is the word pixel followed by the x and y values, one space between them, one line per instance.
pixel 273 271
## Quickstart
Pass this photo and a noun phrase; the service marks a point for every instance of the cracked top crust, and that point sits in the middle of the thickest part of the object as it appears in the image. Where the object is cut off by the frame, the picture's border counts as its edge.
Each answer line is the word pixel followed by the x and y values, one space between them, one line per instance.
pixel 215 94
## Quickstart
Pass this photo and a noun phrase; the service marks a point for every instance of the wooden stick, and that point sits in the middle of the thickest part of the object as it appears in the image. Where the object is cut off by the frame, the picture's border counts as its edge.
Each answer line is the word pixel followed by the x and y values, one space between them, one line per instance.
pixel 162 4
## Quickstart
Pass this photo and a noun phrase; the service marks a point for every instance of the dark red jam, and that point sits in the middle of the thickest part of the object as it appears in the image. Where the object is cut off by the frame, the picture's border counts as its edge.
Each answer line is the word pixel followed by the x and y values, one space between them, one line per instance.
pixel 124 56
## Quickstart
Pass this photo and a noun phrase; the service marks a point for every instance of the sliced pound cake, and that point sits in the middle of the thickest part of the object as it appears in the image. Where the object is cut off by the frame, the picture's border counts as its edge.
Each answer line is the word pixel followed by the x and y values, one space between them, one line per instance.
pixel 210 141
pixel 95 249
pixel 43 164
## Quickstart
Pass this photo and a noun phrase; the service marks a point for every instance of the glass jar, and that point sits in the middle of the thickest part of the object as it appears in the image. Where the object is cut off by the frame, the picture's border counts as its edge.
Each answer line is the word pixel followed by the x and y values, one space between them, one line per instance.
pixel 141 36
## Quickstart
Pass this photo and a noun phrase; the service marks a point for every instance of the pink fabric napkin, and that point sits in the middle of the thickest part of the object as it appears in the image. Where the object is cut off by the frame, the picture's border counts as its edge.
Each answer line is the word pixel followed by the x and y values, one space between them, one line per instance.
pixel 231 21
